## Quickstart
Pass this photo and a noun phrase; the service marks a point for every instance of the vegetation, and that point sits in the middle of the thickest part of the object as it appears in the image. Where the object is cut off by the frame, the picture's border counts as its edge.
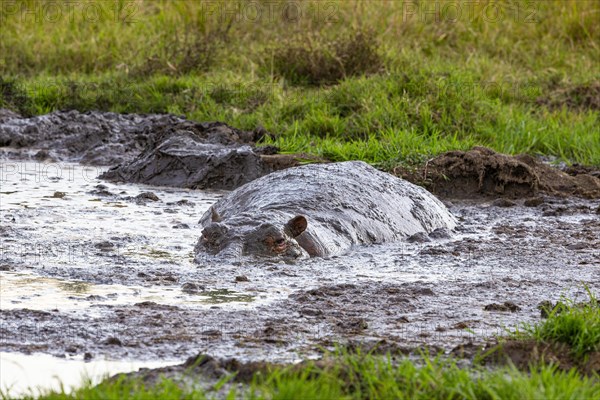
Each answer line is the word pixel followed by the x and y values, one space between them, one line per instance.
pixel 575 324
pixel 343 79
pixel 356 376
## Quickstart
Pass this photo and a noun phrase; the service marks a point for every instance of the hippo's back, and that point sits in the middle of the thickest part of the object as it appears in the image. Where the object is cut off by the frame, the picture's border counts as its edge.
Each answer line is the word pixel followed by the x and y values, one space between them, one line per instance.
pixel 345 203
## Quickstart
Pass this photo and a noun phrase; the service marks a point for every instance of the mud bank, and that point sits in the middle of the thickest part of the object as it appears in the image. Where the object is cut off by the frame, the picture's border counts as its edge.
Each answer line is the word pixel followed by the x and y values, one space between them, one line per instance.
pixel 523 353
pixel 157 149
pixel 168 150
pixel 185 159
pixel 204 372
pixel 91 138
pixel 104 138
pixel 483 173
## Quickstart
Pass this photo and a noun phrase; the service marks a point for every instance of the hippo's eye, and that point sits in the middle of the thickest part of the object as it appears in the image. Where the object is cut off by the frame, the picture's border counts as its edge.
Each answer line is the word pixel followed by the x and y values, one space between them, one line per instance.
pixel 280 242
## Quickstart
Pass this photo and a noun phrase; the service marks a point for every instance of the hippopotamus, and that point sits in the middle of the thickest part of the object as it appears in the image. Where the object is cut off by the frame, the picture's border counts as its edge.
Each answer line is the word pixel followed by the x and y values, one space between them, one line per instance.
pixel 318 210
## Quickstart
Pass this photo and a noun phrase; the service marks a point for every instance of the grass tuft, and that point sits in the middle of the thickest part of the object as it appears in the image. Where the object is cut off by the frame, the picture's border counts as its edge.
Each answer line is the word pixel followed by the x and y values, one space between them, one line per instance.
pixel 185 50
pixel 575 324
pixel 312 59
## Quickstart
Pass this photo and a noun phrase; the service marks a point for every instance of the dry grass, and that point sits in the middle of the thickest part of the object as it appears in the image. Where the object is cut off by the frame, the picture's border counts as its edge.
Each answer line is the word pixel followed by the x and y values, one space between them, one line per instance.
pixel 315 60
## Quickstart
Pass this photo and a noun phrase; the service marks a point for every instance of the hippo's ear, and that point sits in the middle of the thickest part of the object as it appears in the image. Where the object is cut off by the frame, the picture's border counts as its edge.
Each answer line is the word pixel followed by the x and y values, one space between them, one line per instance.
pixel 296 225
pixel 214 215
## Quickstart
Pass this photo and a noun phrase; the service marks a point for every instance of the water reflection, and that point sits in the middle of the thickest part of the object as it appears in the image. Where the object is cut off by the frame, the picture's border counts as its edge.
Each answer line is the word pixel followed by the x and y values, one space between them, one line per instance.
pixel 33 374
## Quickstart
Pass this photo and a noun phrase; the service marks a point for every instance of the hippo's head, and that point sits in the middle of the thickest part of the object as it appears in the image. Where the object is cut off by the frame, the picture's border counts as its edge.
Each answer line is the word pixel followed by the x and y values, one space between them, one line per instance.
pixel 263 240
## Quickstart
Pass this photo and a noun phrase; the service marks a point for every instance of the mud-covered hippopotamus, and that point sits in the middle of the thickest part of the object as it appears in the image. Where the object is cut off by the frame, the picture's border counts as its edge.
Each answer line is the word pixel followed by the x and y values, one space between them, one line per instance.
pixel 318 210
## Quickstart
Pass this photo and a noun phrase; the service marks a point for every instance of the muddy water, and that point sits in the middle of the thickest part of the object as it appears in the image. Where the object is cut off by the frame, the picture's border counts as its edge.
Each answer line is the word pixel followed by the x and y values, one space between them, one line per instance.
pixel 30 375
pixel 104 269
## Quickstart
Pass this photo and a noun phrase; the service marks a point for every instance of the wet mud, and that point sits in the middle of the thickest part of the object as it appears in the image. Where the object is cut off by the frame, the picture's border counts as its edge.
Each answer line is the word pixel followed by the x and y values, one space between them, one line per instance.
pixel 125 284
pixel 89 138
pixel 483 173
pixel 97 269
pixel 156 149
pixel 185 159
pixel 168 150
pixel 6 115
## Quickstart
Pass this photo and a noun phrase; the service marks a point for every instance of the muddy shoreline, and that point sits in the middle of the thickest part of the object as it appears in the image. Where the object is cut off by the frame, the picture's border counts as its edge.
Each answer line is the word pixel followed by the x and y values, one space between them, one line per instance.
pixel 104 269
pixel 169 150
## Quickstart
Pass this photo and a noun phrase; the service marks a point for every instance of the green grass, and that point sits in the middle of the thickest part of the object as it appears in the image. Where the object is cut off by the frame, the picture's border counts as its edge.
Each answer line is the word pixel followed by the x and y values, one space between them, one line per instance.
pixel 575 324
pixel 344 80
pixel 356 376
pixel 382 119
pixel 368 377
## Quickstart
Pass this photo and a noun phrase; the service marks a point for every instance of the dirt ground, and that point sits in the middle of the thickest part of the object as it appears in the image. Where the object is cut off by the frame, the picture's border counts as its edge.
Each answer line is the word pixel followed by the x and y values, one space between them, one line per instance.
pixel 483 173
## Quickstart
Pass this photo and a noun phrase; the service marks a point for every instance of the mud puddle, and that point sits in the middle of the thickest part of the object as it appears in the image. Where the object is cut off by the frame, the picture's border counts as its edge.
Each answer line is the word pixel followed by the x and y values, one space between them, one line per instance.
pixel 89 267
pixel 33 292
